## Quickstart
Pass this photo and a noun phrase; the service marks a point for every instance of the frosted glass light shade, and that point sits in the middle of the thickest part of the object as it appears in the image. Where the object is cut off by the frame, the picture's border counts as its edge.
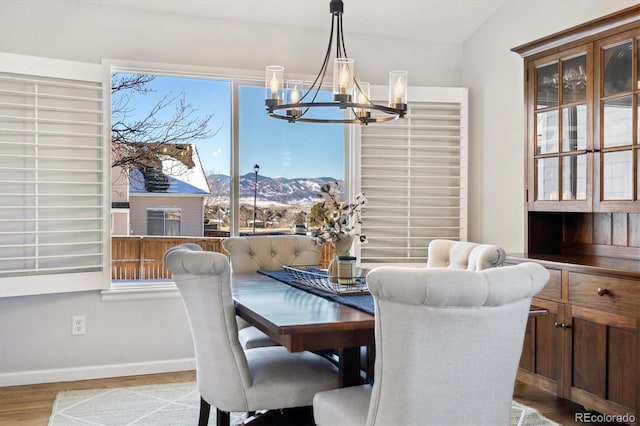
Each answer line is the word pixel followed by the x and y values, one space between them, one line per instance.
pixel 362 92
pixel 362 96
pixel 397 88
pixel 342 79
pixel 294 93
pixel 274 82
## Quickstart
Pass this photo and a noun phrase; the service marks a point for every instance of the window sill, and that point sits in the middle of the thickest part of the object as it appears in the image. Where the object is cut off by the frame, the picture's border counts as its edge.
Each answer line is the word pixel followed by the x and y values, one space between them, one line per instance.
pixel 140 290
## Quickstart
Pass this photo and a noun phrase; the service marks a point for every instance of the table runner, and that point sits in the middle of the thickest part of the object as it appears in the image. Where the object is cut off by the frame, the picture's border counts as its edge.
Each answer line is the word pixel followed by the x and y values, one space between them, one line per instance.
pixel 363 302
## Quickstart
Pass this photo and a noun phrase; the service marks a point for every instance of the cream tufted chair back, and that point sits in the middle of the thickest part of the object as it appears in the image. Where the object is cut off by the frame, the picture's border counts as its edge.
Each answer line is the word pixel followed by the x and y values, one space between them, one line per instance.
pixel 448 345
pixel 270 252
pixel 229 377
pixel 464 255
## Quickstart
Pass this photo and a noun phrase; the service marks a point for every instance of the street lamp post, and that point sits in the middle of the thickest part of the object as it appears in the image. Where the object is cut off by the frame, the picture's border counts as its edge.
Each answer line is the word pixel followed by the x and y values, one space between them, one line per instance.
pixel 256 169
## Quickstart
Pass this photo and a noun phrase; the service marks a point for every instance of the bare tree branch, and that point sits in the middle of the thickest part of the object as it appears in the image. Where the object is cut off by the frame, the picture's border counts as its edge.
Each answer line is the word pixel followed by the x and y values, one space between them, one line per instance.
pixel 142 143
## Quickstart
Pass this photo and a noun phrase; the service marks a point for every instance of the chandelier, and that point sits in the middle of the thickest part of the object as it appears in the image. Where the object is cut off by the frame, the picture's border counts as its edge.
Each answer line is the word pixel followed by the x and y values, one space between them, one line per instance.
pixel 292 102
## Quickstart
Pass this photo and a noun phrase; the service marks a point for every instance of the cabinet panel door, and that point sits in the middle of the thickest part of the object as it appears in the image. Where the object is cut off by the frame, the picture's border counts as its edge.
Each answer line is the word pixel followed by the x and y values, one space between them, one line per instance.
pixel 589 356
pixel 541 358
pixel 621 365
pixel 605 371
pixel 547 344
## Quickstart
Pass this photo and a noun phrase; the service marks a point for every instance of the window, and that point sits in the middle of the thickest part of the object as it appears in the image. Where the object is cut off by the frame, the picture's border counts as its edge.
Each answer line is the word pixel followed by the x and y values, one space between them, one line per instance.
pixel 52 176
pixel 55 171
pixel 170 149
pixel 164 222
pixel 294 160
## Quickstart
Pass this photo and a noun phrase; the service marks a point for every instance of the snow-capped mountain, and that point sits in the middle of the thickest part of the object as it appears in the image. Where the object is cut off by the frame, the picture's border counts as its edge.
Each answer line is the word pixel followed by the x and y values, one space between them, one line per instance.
pixel 274 189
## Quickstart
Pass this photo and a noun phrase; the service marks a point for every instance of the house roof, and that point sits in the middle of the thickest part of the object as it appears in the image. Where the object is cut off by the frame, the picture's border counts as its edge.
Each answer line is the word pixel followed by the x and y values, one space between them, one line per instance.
pixel 175 178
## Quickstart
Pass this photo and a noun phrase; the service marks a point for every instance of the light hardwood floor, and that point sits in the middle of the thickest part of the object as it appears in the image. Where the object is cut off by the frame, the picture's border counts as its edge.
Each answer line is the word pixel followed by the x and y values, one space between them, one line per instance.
pixel 31 405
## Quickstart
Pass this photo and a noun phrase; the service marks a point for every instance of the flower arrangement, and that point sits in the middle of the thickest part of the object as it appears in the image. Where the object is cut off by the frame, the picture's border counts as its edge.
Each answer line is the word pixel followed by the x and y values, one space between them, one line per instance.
pixel 340 219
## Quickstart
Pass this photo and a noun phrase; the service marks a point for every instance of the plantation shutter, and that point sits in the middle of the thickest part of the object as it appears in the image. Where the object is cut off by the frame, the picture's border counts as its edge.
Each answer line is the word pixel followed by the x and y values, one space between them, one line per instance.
pixel 414 174
pixel 52 176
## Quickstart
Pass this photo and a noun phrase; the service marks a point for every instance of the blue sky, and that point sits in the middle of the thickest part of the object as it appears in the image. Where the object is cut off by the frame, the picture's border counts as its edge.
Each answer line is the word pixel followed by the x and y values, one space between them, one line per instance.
pixel 280 148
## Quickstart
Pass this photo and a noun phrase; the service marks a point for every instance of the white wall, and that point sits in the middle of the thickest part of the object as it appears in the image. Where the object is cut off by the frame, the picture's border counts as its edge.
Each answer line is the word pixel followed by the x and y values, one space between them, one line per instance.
pixel 122 338
pixel 153 335
pixel 494 76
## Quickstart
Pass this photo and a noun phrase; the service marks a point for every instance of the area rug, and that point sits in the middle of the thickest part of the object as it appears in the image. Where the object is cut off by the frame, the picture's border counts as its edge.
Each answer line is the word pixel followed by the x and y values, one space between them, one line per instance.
pixel 174 404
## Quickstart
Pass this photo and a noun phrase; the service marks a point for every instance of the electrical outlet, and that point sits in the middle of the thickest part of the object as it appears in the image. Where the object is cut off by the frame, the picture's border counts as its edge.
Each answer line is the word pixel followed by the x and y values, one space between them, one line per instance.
pixel 78 325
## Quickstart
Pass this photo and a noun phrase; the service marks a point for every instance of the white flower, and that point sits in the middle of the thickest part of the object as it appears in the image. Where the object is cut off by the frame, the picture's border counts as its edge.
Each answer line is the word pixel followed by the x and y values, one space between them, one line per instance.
pixel 340 218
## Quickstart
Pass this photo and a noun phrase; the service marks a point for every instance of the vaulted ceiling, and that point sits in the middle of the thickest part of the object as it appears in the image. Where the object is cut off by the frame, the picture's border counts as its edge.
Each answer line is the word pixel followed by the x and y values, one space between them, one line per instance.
pixel 427 20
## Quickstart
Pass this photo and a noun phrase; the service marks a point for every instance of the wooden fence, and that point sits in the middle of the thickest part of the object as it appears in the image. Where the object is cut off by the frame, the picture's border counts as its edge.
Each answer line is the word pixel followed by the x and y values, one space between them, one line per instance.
pixel 140 258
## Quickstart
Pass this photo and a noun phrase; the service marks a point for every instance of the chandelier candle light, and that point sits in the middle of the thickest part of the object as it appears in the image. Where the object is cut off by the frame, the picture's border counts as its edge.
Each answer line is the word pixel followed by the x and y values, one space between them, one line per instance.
pixel 288 102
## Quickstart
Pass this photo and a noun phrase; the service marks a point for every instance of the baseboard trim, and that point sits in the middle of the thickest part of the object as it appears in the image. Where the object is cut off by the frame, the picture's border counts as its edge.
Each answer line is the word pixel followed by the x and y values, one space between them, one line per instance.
pixel 95 372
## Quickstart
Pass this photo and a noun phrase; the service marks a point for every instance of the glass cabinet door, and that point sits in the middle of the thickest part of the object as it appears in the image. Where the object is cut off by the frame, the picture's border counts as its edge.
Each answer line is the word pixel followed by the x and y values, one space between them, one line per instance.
pixel 561 141
pixel 618 92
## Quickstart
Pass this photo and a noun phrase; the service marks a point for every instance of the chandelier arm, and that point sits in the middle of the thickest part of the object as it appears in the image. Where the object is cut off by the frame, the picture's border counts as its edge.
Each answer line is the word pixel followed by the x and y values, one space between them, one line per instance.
pixel 341 39
pixel 323 69
pixel 321 75
pixel 319 79
pixel 324 72
pixel 338 35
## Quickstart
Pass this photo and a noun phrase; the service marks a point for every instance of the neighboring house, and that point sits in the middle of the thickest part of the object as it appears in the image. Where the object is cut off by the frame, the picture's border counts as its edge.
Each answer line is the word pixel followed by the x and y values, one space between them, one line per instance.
pixel 160 202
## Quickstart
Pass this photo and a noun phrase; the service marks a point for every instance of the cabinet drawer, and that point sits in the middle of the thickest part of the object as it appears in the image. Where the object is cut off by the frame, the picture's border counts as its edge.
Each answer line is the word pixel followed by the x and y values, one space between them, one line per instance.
pixel 612 294
pixel 551 291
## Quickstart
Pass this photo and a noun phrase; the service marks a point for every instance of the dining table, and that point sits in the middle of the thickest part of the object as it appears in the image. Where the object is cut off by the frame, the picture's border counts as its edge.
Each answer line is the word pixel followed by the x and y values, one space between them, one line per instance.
pixel 302 318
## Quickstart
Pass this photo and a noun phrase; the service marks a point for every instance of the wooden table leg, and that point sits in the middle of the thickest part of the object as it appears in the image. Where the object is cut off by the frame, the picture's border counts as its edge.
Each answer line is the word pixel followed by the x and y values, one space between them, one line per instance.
pixel 370 362
pixel 349 366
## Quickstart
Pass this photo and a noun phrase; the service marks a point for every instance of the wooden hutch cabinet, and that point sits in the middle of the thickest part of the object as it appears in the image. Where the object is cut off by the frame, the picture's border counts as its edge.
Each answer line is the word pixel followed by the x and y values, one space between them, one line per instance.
pixel 582 113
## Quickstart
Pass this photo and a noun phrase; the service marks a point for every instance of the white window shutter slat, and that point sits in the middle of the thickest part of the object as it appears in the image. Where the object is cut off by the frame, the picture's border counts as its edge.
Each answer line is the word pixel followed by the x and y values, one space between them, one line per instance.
pixel 413 172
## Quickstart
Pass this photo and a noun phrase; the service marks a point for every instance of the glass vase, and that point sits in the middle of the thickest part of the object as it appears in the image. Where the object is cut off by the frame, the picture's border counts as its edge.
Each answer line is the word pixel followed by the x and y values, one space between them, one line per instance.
pixel 341 247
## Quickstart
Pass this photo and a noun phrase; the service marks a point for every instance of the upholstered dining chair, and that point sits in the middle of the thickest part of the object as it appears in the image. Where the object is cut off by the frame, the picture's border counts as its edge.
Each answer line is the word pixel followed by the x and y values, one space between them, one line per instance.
pixel 230 377
pixel 448 344
pixel 452 254
pixel 268 252
pixel 463 255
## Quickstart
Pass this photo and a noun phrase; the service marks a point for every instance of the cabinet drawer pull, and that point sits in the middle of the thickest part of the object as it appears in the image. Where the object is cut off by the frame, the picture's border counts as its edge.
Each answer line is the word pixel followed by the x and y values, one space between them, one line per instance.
pixel 561 325
pixel 603 291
